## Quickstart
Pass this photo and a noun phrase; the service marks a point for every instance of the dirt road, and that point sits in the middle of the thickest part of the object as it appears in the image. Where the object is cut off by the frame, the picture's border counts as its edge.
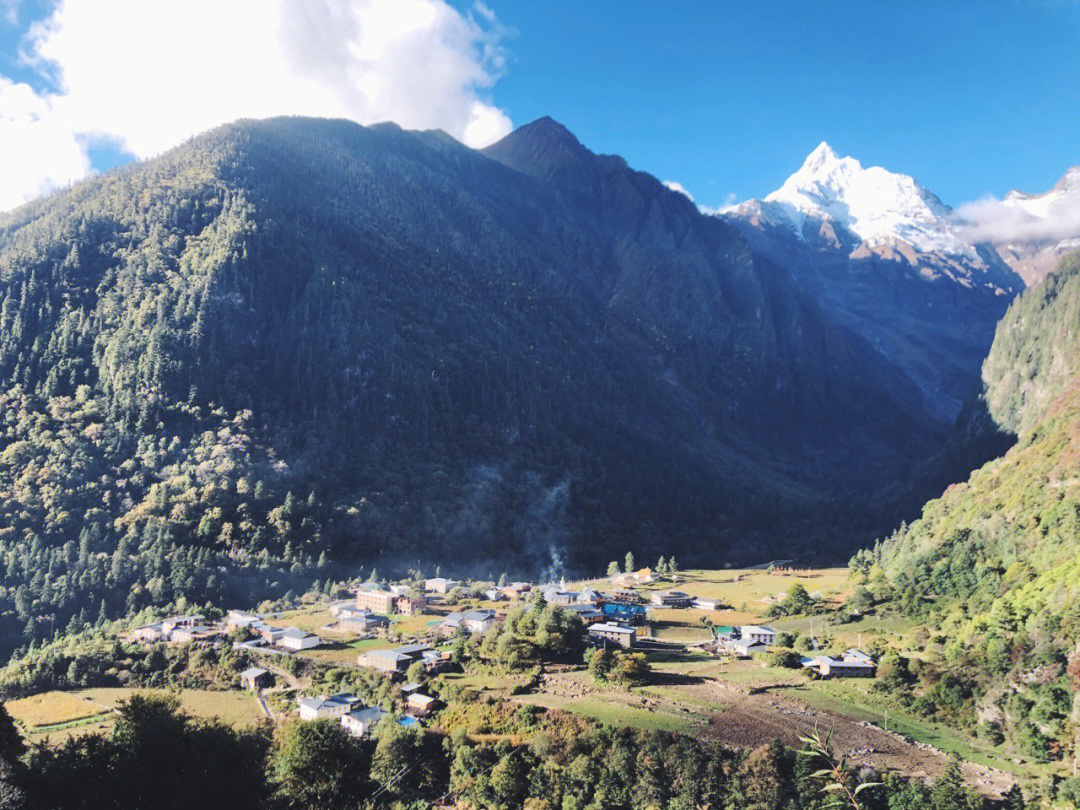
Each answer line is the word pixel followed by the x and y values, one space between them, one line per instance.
pixel 755 718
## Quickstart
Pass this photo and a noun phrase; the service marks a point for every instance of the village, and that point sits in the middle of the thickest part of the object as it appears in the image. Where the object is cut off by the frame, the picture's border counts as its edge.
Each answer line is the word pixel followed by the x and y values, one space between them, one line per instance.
pixel 732 655
pixel 626 611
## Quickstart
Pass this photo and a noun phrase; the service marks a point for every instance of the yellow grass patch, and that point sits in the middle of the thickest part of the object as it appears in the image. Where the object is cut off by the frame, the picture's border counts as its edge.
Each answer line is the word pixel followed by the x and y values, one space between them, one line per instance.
pixel 57 736
pixel 307 619
pixel 233 708
pixel 50 708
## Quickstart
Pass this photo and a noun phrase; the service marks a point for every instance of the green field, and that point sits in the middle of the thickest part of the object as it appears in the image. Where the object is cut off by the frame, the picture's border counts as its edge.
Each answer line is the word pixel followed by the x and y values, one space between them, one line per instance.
pixel 739 587
pixel 55 716
pixel 477 682
pixel 752 673
pixel 614 713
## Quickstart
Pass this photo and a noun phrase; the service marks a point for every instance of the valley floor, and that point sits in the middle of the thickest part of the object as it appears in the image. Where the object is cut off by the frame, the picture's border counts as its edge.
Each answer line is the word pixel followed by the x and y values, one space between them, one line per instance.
pixel 741 703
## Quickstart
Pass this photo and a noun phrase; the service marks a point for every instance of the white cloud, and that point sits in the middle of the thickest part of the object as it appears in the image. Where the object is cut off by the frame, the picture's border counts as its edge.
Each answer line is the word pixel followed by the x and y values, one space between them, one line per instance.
pixel 675 186
pixel 39 151
pixel 731 202
pixel 153 74
pixel 1050 218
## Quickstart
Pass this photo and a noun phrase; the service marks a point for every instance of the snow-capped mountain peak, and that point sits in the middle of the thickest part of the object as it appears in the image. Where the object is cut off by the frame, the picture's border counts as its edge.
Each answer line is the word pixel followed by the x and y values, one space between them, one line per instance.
pixel 1031 232
pixel 821 156
pixel 877 206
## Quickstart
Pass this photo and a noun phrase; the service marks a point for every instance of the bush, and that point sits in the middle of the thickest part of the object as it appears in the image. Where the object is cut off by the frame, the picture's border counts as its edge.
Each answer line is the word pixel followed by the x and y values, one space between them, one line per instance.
pixel 1069 791
pixel 785 658
pixel 992 733
pixel 1032 742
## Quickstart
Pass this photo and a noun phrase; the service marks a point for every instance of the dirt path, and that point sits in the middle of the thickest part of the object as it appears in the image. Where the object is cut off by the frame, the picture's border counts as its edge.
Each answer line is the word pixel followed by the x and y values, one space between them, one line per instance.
pixel 753 719
pixel 283 675
pixel 262 705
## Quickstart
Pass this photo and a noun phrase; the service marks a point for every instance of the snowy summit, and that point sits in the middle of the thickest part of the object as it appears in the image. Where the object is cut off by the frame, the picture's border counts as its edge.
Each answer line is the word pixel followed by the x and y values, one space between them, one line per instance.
pixel 875 205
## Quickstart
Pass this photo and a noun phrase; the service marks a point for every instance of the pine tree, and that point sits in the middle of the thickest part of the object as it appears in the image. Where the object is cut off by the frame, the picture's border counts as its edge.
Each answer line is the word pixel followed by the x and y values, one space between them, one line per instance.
pixel 1014 798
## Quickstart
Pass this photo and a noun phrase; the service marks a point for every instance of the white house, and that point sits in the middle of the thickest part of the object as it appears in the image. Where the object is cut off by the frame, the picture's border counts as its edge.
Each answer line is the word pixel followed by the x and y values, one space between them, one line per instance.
pixel 338 608
pixel 708 604
pixel 440 585
pixel 744 648
pixel 332 707
pixel 758 633
pixel 293 639
pixel 238 618
pixel 616 633
pixel 478 621
pixel 853 664
pixel 672 599
pixel 360 721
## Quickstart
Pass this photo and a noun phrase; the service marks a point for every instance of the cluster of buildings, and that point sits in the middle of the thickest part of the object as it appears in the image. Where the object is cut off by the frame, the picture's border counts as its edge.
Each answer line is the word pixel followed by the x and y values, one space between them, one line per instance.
pixel 396 661
pixel 474 622
pixel 358 719
pixel 617 618
pixel 176 628
pixel 184 629
pixel 745 640
pixel 355 718
pixel 374 598
pixel 287 639
pixel 671 599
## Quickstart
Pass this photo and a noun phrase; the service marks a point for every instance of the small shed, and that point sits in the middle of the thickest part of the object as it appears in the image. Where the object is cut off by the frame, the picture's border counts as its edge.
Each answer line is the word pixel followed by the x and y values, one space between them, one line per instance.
pixel 255 678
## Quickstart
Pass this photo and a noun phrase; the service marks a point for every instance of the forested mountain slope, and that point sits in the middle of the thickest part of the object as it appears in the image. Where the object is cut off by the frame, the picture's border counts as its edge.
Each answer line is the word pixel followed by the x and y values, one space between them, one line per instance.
pixel 298 341
pixel 1022 511
pixel 994 563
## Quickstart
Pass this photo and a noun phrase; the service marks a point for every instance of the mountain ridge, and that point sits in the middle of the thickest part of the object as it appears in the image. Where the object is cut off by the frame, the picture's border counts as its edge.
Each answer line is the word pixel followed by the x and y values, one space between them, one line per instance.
pixel 306 338
pixel 881 254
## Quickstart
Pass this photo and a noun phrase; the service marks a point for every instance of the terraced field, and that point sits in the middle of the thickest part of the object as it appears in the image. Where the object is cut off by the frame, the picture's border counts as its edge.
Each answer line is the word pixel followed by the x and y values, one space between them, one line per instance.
pixel 55 716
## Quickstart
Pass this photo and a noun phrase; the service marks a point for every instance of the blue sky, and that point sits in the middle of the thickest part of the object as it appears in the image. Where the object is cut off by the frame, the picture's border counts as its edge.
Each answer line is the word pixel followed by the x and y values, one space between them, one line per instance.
pixel 728 98
pixel 725 98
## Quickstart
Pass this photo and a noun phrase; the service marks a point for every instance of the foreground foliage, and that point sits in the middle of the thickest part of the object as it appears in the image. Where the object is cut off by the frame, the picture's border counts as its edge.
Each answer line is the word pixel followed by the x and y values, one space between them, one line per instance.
pixel 156 757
